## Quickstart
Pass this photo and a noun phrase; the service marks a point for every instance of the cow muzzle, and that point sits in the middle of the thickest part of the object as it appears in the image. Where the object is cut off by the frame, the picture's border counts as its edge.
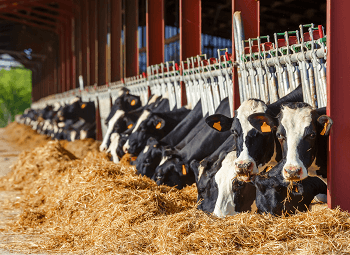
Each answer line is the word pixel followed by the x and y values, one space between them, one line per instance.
pixel 244 169
pixel 292 173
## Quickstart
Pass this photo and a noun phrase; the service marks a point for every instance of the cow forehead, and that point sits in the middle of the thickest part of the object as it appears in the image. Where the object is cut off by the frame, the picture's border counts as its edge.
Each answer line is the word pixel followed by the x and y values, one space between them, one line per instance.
pixel 296 120
pixel 76 99
pixel 248 108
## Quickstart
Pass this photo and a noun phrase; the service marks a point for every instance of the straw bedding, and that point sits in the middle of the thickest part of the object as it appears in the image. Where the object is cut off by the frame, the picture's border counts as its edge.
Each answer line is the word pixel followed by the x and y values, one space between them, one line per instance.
pixel 91 205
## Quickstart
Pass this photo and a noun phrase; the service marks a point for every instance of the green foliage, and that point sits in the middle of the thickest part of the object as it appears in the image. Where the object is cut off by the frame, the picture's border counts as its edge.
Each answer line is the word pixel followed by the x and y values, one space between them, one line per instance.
pixel 15 93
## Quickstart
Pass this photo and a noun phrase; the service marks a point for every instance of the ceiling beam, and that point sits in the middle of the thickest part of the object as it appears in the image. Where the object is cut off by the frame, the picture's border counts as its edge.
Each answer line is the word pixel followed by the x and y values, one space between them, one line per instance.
pixel 28 23
pixel 44 6
pixel 31 17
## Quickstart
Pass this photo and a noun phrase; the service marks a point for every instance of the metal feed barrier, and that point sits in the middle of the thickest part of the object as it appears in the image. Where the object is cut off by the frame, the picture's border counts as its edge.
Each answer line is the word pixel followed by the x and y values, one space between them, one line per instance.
pixel 270 70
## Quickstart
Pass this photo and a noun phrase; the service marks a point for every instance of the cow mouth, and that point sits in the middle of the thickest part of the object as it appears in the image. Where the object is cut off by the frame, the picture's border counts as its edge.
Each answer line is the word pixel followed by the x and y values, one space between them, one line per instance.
pixel 245 177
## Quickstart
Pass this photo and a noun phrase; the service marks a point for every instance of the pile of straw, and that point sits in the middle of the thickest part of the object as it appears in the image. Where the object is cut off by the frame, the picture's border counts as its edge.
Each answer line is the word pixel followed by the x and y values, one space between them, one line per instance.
pixel 92 205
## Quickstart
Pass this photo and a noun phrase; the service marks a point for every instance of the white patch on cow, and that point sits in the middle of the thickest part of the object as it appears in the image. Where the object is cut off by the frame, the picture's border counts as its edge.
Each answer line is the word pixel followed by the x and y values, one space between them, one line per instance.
pixel 83 134
pixel 113 147
pixel 143 117
pixel 76 99
pixel 26 111
pixel 60 130
pixel 164 159
pixel 61 124
pixel 225 202
pixel 55 129
pixel 73 135
pixel 166 95
pixel 35 125
pixel 294 122
pixel 153 99
pixel 46 124
pixel 118 114
pixel 189 106
pixel 126 146
pixel 246 109
pixel 120 92
pixel 200 171
pixel 56 106
pixel 146 149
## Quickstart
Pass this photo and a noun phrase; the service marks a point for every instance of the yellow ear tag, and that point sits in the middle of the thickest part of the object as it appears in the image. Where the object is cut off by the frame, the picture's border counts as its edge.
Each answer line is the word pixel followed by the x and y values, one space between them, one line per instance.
pixel 158 125
pixel 83 106
pixel 155 146
pixel 184 172
pixel 133 102
pixel 133 158
pixel 217 126
pixel 265 128
pixel 130 126
pixel 324 128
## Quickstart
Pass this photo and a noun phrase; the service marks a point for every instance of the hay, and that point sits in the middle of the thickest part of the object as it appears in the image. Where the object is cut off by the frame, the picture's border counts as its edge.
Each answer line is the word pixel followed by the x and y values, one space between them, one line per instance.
pixel 94 206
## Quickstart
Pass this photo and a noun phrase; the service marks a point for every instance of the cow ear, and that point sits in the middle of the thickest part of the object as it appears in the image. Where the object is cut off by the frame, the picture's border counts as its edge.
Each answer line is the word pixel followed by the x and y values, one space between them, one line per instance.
pixel 159 123
pixel 263 122
pixel 219 122
pixel 326 122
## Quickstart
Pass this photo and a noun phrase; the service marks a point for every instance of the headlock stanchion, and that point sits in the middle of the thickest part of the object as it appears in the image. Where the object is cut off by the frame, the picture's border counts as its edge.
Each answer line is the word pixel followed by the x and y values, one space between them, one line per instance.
pixel 269 71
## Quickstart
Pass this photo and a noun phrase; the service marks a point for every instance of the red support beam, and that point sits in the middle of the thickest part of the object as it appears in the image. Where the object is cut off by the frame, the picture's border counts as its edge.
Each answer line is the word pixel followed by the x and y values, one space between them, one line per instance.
pixel 116 32
pixel 102 42
pixel 155 32
pixel 62 65
pixel 68 46
pixel 338 92
pixel 74 54
pixel 59 10
pixel 250 12
pixel 93 42
pixel 190 33
pixel 131 38
pixel 84 43
pixel 29 17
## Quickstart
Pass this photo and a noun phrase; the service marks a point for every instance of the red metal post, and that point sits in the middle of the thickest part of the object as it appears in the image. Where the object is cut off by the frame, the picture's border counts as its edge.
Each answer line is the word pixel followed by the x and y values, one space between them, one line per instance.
pixel 190 33
pixel 93 43
pixel 131 38
pixel 62 60
pixel 250 11
pixel 68 55
pixel 338 92
pixel 102 42
pixel 116 31
pixel 155 32
pixel 84 42
pixel 73 54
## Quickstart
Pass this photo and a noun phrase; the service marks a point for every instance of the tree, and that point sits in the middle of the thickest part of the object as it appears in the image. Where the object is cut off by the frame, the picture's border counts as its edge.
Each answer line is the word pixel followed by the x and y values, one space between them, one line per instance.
pixel 15 93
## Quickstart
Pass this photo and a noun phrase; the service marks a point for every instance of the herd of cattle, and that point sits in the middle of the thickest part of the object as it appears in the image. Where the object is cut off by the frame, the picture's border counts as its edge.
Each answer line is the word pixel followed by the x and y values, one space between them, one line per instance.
pixel 275 155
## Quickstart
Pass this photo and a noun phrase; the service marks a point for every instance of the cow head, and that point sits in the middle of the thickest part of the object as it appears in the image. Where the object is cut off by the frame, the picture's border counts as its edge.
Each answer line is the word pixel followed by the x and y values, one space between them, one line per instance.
pixel 148 125
pixel 299 131
pixel 149 158
pixel 254 147
pixel 172 171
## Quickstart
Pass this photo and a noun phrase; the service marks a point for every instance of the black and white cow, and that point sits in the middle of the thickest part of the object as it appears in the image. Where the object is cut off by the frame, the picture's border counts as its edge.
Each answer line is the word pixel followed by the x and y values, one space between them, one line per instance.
pixel 153 124
pixel 150 157
pixel 174 168
pixel 253 151
pixel 277 196
pixel 122 105
pixel 303 134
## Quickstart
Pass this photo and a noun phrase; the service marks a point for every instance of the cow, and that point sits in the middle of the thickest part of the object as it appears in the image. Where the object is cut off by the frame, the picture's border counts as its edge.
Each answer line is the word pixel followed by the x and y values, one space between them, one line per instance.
pixel 153 149
pixel 123 104
pixel 253 151
pixel 174 168
pixel 153 124
pixel 277 196
pixel 303 134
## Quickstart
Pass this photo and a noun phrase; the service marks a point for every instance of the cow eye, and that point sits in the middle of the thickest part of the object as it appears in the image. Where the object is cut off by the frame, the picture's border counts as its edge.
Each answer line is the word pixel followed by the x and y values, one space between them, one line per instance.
pixel 234 133
pixel 312 135
pixel 280 136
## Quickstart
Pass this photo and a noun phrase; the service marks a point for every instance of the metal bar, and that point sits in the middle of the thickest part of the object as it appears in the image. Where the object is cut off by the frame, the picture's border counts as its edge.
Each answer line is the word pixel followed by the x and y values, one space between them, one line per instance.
pixel 60 10
pixel 155 32
pixel 131 38
pixel 116 32
pixel 68 56
pixel 74 52
pixel 62 61
pixel 190 34
pixel 338 92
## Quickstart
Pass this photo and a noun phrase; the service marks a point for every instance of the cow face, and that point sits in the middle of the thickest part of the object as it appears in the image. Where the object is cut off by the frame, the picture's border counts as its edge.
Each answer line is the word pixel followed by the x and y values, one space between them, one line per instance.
pixel 299 131
pixel 148 125
pixel 149 158
pixel 172 171
pixel 255 147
